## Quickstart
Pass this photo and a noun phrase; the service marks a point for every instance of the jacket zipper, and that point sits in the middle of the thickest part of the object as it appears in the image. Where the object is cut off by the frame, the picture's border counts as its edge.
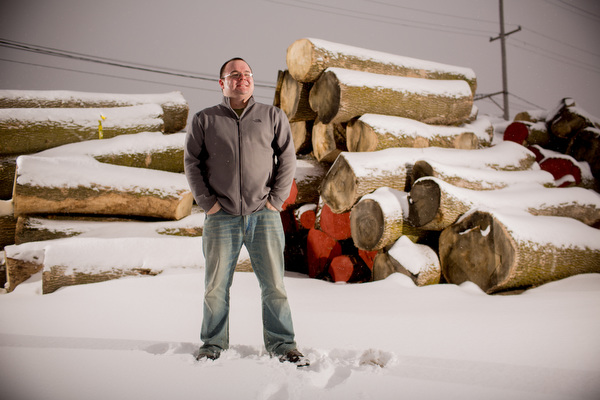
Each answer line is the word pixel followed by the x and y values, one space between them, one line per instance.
pixel 240 164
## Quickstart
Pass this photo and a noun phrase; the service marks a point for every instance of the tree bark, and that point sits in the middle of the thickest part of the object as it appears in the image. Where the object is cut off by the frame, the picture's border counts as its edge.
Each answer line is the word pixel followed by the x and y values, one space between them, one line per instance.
pixel 568 120
pixel 85 186
pixel 8 166
pixel 308 58
pixel 308 177
pixel 435 204
pixel 377 132
pixel 340 95
pixel 478 179
pixel 377 220
pixel 174 106
pixel 294 99
pixel 8 228
pixel 328 141
pixel 26 131
pixel 51 227
pixel 501 252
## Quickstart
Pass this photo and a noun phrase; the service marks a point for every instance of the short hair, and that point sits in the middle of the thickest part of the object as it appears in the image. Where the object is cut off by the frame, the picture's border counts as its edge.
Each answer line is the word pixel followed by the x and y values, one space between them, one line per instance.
pixel 228 61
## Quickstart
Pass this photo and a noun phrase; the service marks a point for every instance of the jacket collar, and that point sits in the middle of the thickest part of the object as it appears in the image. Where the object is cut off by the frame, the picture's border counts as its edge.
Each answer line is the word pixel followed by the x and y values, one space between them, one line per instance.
pixel 226 101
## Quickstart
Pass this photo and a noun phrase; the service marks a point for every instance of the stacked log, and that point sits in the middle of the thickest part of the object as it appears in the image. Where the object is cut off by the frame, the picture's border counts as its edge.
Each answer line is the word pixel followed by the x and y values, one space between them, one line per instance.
pixel 54 169
pixel 408 169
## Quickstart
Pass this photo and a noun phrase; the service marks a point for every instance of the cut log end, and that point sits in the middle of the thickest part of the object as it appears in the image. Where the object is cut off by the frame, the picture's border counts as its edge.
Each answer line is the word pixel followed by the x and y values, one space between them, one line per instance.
pixel 476 250
pixel 299 59
pixel 325 97
pixel 339 186
pixel 365 224
pixel 424 202
pixel 360 137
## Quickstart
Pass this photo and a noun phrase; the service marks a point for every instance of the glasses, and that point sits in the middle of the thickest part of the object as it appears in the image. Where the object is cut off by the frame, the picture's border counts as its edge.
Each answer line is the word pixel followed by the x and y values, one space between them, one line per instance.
pixel 237 75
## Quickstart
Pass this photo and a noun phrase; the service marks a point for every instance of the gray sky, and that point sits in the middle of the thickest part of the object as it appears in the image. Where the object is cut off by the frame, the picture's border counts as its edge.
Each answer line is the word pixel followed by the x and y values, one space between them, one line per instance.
pixel 555 55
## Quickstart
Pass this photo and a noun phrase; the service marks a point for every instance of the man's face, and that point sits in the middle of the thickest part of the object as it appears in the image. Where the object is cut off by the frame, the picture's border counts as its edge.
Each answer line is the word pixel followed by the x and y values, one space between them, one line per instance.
pixel 240 88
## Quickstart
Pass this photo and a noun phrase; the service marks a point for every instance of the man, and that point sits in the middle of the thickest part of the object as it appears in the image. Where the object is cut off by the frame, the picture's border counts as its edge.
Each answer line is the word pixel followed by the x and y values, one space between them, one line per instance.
pixel 240 163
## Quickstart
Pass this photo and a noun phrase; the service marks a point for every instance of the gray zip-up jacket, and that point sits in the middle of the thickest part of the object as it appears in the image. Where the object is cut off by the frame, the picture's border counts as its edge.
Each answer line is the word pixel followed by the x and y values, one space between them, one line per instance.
pixel 241 162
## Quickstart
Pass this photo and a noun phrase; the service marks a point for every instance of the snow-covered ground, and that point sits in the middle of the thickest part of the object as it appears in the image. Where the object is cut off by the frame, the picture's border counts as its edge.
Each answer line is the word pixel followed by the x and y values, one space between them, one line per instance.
pixel 134 338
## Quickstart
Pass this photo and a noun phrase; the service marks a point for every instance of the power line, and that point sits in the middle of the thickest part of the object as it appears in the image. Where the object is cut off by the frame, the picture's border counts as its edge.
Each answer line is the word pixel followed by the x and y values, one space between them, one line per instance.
pixel 366 16
pixel 107 61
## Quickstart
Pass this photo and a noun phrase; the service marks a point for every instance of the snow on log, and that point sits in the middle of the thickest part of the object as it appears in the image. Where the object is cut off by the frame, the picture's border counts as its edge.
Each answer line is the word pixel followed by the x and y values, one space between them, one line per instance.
pixel 479 179
pixel 294 99
pixel 512 251
pixel 373 132
pixel 302 136
pixel 82 185
pixel 527 133
pixel 152 150
pixel 328 141
pixel 532 116
pixel 105 259
pixel 36 229
pixel 417 261
pixel 306 216
pixel 175 107
pixel 309 175
pixel 569 119
pixel 378 219
pixel 435 204
pixel 308 58
pixel 340 95
pixel 354 175
pixel 29 130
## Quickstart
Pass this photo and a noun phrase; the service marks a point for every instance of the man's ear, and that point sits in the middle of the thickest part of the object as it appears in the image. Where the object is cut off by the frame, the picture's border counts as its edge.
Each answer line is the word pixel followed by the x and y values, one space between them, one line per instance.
pixel 222 84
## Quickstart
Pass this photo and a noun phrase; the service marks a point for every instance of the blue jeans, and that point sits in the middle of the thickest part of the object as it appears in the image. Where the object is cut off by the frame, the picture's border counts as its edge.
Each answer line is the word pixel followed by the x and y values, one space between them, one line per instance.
pixel 222 239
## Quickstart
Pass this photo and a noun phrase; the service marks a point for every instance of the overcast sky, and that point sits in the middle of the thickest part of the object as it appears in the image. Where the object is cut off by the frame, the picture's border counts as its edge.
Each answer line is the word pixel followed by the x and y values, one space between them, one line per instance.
pixel 556 54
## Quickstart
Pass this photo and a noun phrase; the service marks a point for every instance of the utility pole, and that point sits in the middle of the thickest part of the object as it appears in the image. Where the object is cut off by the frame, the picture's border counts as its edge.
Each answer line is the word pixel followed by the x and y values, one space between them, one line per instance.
pixel 503 52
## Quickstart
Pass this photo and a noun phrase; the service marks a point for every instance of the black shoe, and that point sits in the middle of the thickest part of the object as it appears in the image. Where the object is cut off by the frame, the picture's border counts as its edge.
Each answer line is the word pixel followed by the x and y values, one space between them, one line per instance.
pixel 208 356
pixel 295 357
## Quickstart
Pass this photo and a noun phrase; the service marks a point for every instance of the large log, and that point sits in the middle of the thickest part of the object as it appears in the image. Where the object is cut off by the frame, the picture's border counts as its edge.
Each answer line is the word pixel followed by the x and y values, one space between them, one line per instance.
pixel 174 106
pixel 29 130
pixel 340 95
pixel 37 229
pixel 353 175
pixel 417 261
pixel 294 99
pixel 320 250
pixel 568 119
pixel 435 204
pixel 8 165
pixel 82 185
pixel 309 175
pixel 152 150
pixel 378 220
pixel 335 225
pixel 585 146
pixel 302 136
pixel 502 251
pixel 373 132
pixel 479 179
pixel 328 141
pixel 308 58
pixel 527 133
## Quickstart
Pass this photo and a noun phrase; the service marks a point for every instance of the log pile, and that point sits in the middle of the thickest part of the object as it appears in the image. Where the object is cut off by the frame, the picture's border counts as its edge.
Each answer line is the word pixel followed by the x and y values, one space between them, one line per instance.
pixel 415 185
pixel 55 170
